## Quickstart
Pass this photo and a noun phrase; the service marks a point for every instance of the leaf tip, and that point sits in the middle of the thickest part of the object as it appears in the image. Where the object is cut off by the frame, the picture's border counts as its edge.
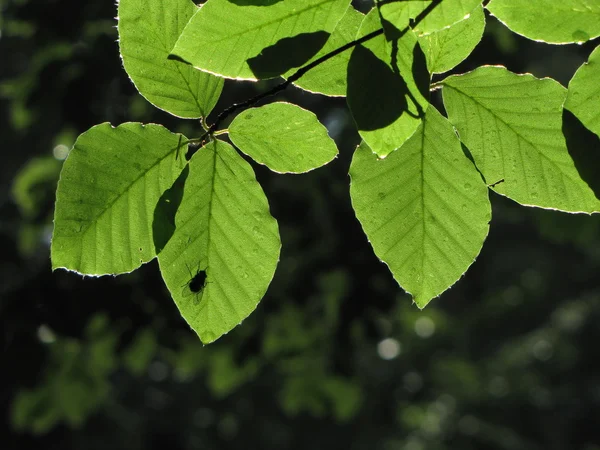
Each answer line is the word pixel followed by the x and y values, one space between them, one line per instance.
pixel 421 302
pixel 207 336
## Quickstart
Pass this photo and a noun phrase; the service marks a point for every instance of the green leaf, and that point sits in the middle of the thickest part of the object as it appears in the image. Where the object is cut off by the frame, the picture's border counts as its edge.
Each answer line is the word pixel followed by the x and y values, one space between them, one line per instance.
pixel 512 126
pixel 430 15
pixel 424 208
pixel 388 87
pixel 447 48
pixel 552 21
pixel 243 41
pixel 583 98
pixel 329 78
pixel 75 383
pixel 108 189
pixel 148 31
pixel 224 230
pixel 283 137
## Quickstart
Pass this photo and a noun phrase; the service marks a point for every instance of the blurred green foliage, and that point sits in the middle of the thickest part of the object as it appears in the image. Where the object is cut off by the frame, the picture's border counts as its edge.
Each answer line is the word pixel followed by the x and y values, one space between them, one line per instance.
pixel 335 356
pixel 76 379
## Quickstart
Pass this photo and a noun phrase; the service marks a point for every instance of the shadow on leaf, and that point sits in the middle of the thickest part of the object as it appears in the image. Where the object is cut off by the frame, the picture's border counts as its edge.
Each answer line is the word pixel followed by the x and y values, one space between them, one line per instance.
pixel 374 104
pixel 163 225
pixel 584 148
pixel 286 54
pixel 174 57
pixel 420 73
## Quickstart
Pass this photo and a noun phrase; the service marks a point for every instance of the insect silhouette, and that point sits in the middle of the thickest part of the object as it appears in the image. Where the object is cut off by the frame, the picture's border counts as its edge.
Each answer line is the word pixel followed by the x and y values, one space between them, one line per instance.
pixel 195 286
pixel 198 282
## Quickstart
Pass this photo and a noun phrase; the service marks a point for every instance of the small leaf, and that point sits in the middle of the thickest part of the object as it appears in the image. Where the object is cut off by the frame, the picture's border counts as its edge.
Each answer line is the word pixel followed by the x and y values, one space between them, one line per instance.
pixel 552 21
pixel 447 48
pixel 224 229
pixel 148 30
pixel 329 78
pixel 512 125
pixel 431 15
pixel 424 208
pixel 388 87
pixel 108 189
pixel 583 98
pixel 284 137
pixel 224 36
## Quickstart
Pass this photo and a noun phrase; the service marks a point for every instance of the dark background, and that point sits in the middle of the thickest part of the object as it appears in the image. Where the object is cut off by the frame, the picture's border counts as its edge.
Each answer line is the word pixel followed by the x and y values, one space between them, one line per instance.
pixel 335 356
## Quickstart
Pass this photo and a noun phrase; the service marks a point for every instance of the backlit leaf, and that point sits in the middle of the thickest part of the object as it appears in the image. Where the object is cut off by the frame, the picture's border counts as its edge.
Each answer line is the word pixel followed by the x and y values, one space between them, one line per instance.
pixel 108 189
pixel 244 41
pixel 553 21
pixel 512 124
pixel 284 137
pixel 424 208
pixel 447 48
pixel 148 30
pixel 223 228
pixel 388 87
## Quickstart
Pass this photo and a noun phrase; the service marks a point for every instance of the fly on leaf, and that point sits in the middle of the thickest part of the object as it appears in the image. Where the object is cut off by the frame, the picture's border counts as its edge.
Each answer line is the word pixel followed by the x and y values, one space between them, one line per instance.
pixel 195 286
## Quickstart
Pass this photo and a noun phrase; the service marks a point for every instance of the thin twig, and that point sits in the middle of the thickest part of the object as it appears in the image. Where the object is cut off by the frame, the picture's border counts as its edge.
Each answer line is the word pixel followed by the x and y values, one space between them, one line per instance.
pixel 294 77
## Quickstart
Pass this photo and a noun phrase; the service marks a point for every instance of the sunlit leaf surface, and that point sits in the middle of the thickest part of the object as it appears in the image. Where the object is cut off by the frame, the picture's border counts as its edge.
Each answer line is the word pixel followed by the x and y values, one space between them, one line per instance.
pixel 447 48
pixel 148 31
pixel 223 228
pixel 512 125
pixel 424 208
pixel 284 137
pixel 108 189
pixel 241 40
pixel 553 21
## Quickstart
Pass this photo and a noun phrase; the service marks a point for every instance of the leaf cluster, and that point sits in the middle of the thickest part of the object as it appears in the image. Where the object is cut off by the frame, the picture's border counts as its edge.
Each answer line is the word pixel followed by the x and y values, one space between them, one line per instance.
pixel 420 180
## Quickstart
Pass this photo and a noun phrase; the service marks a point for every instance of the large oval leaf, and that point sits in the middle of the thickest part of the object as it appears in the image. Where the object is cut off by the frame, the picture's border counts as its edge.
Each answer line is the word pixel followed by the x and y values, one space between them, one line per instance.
pixel 222 256
pixel 512 124
pixel 148 30
pixel 244 41
pixel 447 48
pixel 284 137
pixel 388 87
pixel 552 21
pixel 583 98
pixel 108 189
pixel 424 208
